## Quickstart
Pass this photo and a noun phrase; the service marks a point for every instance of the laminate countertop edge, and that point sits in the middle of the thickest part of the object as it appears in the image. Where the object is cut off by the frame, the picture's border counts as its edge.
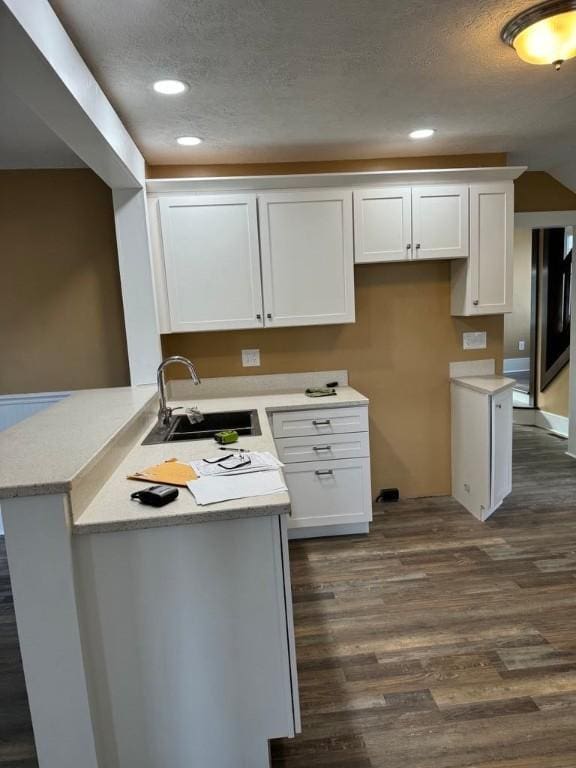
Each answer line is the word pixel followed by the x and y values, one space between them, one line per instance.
pixel 487 385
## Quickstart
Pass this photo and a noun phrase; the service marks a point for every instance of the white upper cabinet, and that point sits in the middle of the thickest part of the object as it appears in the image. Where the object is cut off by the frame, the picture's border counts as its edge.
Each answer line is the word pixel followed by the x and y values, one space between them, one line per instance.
pixel 483 286
pixel 440 222
pixel 307 257
pixel 403 223
pixel 382 224
pixel 212 262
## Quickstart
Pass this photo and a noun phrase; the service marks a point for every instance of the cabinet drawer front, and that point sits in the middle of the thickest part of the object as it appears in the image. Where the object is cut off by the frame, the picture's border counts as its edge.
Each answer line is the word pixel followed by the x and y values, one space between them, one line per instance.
pixel 323 421
pixel 348 446
pixel 329 493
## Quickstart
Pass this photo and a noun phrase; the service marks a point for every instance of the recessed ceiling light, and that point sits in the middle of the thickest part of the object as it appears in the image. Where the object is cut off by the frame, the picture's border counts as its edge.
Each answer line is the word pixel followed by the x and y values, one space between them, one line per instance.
pixel 422 133
pixel 544 34
pixel 189 141
pixel 170 87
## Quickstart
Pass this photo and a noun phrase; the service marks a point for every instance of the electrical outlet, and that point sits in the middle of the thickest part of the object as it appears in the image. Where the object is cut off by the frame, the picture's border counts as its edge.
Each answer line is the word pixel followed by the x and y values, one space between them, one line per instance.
pixel 250 358
pixel 521 346
pixel 474 340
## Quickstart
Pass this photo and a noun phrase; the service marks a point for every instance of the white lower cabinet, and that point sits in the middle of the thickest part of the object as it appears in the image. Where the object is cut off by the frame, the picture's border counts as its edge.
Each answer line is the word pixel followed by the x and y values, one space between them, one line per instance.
pixel 481 447
pixel 326 453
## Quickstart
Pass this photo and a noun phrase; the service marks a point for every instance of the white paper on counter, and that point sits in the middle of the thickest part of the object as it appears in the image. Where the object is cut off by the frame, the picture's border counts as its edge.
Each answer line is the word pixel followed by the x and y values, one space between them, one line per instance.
pixel 211 490
pixel 260 461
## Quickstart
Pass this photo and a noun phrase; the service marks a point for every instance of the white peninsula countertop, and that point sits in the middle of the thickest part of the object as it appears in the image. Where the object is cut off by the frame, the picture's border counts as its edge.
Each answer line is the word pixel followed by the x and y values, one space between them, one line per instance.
pixel 86 446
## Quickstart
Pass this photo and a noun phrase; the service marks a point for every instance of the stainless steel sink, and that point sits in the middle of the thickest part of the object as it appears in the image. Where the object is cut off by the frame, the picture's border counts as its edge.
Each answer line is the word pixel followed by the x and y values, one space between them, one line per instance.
pixel 181 428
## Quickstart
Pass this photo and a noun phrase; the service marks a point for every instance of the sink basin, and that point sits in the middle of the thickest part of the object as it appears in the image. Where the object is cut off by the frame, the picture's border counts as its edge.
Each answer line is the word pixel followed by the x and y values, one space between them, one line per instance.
pixel 180 428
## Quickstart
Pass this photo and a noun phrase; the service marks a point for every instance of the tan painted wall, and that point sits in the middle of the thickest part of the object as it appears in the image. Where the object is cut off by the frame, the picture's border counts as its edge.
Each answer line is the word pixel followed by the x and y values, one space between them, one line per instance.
pixel 556 397
pixel 538 191
pixel 329 166
pixel 517 323
pixel 61 320
pixel 397 353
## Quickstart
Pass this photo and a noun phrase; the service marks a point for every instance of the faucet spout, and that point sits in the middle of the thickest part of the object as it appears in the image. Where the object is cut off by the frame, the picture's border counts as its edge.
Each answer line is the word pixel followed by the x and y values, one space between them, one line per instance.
pixel 164 412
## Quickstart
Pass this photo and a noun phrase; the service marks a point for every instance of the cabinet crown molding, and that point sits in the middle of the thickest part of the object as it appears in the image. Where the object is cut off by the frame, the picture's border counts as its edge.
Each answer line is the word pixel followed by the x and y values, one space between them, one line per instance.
pixel 324 180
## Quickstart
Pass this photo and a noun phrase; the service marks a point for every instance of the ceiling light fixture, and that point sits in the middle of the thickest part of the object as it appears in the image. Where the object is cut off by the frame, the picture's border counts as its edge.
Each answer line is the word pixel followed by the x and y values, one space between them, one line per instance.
pixel 422 133
pixel 170 87
pixel 544 34
pixel 189 141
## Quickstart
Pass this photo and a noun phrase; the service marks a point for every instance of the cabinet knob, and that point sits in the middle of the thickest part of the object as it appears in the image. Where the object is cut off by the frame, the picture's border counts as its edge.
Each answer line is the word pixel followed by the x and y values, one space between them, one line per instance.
pixel 409 247
pixel 417 245
pixel 498 405
pixel 475 302
pixel 269 316
pixel 258 317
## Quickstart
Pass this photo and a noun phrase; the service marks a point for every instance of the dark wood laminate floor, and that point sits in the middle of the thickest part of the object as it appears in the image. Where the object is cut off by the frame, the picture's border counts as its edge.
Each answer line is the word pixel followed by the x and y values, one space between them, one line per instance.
pixel 436 642
pixel 439 641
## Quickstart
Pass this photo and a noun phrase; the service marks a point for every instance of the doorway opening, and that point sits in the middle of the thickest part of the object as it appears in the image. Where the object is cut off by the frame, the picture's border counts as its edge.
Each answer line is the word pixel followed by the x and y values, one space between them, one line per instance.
pixel 537 332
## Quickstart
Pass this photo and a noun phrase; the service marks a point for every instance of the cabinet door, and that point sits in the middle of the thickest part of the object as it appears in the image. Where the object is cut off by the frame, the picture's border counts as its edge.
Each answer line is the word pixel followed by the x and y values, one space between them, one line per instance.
pixel 212 262
pixel 307 257
pixel 329 492
pixel 491 243
pixel 440 222
pixel 501 447
pixel 382 225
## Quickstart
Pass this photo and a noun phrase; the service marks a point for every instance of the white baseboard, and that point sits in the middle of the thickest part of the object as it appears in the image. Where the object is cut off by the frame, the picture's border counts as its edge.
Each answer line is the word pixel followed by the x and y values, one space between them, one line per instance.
pixel 516 365
pixel 551 422
pixel 313 532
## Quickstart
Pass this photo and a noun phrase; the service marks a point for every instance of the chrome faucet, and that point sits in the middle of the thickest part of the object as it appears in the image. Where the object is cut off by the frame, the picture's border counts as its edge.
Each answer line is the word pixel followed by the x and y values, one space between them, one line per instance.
pixel 164 412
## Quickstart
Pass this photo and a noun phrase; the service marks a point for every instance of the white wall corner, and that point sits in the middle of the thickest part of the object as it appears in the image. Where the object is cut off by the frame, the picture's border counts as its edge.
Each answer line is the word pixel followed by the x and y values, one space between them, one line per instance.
pixel 134 260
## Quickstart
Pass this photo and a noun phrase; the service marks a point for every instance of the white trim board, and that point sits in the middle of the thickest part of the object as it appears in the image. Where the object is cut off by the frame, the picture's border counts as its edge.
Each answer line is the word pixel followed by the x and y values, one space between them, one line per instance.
pixel 540 219
pixel 516 365
pixel 551 422
pixel 333 179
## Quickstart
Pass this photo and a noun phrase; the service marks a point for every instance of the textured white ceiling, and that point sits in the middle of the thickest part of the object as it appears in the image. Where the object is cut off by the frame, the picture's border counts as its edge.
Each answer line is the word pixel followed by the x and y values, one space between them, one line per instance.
pixel 27 142
pixel 321 79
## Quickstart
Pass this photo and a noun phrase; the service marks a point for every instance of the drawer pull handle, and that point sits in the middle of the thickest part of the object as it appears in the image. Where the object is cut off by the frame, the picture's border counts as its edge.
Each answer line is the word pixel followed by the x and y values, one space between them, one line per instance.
pixel 321 422
pixel 321 448
pixel 498 405
pixel 324 472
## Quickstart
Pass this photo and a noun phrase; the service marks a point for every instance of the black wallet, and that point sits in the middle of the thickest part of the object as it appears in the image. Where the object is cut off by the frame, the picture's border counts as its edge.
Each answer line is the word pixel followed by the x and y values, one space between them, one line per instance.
pixel 156 495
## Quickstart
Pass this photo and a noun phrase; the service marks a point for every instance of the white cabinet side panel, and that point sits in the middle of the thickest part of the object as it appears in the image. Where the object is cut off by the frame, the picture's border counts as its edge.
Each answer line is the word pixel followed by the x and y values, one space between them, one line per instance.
pixel 40 560
pixel 471 449
pixel 187 639
pixel 502 411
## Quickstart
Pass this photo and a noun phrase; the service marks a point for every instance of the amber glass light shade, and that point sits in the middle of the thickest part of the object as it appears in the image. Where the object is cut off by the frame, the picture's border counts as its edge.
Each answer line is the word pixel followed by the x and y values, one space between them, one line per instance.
pixel 548 40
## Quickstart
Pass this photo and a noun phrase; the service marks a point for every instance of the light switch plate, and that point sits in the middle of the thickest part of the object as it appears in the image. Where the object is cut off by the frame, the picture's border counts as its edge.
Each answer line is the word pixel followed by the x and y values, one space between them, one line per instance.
pixel 521 345
pixel 250 358
pixel 474 340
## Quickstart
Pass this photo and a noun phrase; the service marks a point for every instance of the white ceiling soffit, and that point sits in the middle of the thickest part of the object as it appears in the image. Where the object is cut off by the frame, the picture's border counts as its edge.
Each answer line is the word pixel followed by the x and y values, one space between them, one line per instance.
pixel 26 142
pixel 272 80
